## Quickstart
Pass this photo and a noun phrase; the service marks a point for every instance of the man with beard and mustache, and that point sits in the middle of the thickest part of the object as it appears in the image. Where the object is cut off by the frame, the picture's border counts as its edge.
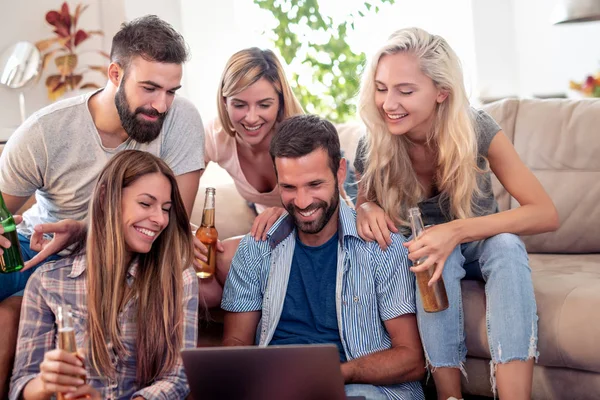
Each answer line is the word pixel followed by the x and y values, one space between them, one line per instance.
pixel 59 151
pixel 314 280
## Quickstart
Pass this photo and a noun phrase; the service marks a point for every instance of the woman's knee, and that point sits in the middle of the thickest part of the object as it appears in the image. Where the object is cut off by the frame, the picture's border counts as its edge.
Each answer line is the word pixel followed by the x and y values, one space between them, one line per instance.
pixel 505 243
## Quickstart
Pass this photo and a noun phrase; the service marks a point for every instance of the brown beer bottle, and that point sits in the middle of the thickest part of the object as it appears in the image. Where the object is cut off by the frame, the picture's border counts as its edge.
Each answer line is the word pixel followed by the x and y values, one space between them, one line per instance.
pixel 434 297
pixel 66 335
pixel 208 235
pixel 10 259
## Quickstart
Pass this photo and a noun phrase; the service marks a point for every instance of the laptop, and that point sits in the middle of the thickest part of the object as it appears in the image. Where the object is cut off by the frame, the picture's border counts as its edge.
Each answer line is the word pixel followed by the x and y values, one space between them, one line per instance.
pixel 294 372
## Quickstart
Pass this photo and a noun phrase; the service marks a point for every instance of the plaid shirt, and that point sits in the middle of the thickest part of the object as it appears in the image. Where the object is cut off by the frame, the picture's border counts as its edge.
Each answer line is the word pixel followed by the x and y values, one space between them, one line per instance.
pixel 64 282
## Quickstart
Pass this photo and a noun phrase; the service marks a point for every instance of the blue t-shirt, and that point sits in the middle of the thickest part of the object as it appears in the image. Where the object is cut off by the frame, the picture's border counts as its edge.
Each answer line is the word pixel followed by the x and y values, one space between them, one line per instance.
pixel 309 314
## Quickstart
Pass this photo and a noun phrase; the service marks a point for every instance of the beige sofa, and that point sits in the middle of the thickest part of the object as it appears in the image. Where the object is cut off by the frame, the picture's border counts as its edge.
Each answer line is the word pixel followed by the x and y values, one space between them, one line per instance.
pixel 560 141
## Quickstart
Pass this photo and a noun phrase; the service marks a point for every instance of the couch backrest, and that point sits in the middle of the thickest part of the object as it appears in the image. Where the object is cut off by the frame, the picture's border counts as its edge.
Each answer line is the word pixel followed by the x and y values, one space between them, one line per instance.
pixel 559 140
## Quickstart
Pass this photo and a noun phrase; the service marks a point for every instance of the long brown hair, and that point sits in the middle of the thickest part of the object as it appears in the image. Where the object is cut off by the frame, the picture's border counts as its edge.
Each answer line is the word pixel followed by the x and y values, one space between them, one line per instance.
pixel 158 285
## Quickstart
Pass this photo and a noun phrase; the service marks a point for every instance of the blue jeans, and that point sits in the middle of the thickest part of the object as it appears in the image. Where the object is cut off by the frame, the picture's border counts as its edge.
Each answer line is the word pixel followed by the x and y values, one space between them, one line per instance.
pixel 369 392
pixel 501 262
pixel 14 283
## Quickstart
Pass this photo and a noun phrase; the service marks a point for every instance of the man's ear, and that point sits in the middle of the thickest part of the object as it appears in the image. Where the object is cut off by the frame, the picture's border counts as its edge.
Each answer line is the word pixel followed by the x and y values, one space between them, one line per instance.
pixel 115 74
pixel 342 170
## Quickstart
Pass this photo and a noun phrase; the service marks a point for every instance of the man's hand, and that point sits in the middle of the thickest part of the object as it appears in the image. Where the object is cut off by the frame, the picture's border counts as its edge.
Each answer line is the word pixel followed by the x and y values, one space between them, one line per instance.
pixel 66 232
pixel 4 242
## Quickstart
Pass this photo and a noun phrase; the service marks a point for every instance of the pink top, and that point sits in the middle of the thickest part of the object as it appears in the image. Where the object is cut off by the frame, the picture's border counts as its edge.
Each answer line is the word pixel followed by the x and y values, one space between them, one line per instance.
pixel 221 148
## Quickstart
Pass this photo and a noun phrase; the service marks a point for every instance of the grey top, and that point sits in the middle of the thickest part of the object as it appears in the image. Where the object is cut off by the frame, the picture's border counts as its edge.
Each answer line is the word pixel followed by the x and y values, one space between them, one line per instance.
pixel 57 154
pixel 436 210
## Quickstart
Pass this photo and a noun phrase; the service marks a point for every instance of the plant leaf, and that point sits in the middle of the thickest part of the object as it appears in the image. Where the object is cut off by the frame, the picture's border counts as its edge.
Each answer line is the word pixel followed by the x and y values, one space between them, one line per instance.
pixel 57 92
pixel 61 30
pixel 80 36
pixel 66 64
pixel 52 17
pixel 73 81
pixel 46 58
pixel 89 85
pixel 52 81
pixel 44 45
pixel 103 69
pixel 65 16
pixel 96 32
pixel 55 87
pixel 78 11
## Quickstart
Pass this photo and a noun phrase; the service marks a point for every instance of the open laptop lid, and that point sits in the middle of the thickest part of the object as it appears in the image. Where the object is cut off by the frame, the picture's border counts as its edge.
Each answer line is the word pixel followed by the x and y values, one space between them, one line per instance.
pixel 296 372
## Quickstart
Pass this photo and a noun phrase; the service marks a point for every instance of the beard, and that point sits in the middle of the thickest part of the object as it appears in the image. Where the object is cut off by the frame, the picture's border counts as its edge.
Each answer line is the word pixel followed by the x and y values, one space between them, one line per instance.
pixel 138 129
pixel 317 225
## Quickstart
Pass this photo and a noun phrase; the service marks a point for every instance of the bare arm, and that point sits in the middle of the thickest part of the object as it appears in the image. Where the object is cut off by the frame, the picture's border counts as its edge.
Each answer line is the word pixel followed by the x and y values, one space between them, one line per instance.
pixel 240 328
pixel 536 214
pixel 404 362
pixel 14 203
pixel 188 187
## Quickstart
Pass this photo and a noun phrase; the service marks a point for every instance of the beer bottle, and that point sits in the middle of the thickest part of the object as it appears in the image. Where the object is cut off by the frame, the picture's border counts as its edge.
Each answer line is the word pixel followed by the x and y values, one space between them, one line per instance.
pixel 208 235
pixel 10 260
pixel 66 335
pixel 434 298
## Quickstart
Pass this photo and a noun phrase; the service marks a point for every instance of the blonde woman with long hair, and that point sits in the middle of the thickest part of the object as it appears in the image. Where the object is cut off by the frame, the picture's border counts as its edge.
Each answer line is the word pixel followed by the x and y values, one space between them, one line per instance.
pixel 132 290
pixel 254 96
pixel 427 148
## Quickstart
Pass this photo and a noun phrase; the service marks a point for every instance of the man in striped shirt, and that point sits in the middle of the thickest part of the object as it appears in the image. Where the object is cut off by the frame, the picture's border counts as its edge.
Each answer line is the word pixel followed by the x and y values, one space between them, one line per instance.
pixel 314 280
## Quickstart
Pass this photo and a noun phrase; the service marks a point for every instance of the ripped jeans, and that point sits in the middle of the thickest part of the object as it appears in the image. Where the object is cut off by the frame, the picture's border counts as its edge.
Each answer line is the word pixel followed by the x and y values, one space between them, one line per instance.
pixel 501 262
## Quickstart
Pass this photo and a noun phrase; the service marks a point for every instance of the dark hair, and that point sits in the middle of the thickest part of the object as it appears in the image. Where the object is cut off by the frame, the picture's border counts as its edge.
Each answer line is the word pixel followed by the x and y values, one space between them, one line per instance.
pixel 302 134
pixel 150 38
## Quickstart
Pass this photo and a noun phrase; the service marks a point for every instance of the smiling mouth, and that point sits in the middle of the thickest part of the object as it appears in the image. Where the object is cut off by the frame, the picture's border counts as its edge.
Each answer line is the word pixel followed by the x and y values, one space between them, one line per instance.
pixel 307 214
pixel 396 116
pixel 147 232
pixel 252 128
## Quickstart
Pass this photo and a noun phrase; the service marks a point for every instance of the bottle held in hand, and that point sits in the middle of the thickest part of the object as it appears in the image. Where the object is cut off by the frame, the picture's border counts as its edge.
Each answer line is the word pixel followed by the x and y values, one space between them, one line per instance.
pixel 208 235
pixel 66 335
pixel 434 297
pixel 10 260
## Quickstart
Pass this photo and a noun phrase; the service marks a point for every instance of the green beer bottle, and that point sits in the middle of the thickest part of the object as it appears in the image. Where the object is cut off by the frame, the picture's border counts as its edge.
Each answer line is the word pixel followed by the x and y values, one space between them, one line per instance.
pixel 10 260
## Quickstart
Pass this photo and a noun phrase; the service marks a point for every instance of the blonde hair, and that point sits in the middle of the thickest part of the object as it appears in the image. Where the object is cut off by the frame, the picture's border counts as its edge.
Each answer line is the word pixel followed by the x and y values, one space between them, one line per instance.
pixel 245 68
pixel 389 178
pixel 158 285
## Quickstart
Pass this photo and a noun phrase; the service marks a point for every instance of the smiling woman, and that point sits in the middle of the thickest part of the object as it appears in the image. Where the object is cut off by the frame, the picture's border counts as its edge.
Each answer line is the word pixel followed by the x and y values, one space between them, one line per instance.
pixel 134 266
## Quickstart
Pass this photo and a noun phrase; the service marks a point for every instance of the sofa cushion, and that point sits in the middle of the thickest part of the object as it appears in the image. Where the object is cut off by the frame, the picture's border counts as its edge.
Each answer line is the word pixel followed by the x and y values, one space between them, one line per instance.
pixel 558 140
pixel 567 291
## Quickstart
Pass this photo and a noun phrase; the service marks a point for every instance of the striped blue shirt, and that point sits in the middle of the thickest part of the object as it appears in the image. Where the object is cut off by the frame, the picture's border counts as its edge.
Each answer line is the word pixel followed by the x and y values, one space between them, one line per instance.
pixel 372 286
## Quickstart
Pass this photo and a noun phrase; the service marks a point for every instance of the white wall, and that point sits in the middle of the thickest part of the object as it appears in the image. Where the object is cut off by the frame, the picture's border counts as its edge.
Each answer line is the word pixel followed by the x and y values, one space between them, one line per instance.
pixel 26 21
pixel 520 52
pixel 550 55
pixel 495 48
